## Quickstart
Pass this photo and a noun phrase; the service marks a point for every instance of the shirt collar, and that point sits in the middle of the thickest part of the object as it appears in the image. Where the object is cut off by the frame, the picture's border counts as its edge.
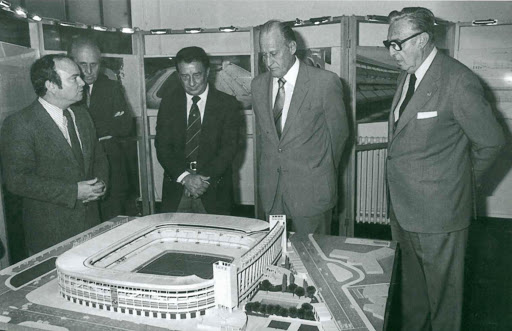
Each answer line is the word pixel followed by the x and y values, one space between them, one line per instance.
pixel 291 76
pixel 202 95
pixel 422 70
pixel 48 105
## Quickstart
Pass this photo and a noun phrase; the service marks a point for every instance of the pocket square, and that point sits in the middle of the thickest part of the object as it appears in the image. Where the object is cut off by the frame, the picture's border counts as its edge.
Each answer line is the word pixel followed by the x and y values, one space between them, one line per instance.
pixel 426 114
pixel 119 113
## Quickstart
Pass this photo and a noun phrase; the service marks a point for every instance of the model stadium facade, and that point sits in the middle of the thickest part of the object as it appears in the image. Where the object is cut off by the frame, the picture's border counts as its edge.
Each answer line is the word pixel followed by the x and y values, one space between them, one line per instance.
pixel 173 266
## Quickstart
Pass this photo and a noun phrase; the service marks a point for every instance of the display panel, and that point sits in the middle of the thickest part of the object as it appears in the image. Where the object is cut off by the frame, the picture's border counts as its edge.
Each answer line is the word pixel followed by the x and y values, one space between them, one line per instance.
pixel 14 31
pixel 57 38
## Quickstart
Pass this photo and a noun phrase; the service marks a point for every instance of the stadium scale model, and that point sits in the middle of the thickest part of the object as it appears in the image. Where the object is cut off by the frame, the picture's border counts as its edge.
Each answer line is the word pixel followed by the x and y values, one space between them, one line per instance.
pixel 160 266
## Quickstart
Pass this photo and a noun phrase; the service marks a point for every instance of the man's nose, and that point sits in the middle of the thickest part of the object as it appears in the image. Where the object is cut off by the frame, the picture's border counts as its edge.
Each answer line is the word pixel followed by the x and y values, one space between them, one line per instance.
pixel 81 82
pixel 88 69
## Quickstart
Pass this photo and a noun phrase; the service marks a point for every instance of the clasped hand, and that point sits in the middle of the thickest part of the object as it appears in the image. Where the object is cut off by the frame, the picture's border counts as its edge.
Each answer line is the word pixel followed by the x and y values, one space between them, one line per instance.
pixel 91 190
pixel 195 185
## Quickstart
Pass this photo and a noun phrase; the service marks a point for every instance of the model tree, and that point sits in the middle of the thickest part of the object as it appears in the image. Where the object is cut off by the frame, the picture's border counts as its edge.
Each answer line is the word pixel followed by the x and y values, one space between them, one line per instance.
pixel 292 278
pixel 263 308
pixel 305 283
pixel 265 285
pixel 285 283
pixel 311 290
pixel 292 312
pixel 249 306
pixel 292 287
pixel 300 291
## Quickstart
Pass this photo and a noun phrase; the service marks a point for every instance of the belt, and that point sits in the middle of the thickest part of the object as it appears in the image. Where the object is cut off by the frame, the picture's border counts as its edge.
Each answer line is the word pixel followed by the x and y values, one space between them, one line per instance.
pixel 192 165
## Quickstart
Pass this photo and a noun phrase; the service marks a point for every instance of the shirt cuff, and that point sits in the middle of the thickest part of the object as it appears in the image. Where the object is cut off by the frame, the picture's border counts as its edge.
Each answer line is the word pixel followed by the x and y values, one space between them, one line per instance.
pixel 182 176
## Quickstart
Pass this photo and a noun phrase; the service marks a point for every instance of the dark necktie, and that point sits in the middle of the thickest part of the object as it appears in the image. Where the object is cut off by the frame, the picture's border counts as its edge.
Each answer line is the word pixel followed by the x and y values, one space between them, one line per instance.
pixel 408 96
pixel 278 106
pixel 75 143
pixel 193 131
pixel 87 95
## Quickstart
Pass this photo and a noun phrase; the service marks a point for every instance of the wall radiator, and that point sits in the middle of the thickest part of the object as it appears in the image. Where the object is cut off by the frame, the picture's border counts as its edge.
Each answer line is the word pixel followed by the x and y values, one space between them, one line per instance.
pixel 371 192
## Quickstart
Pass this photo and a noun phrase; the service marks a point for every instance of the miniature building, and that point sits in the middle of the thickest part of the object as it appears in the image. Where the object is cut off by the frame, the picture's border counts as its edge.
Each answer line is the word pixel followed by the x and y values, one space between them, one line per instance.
pixel 217 261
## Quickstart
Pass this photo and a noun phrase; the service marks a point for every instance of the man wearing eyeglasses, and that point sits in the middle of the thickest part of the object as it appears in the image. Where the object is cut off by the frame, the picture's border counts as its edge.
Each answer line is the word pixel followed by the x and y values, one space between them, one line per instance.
pixel 442 137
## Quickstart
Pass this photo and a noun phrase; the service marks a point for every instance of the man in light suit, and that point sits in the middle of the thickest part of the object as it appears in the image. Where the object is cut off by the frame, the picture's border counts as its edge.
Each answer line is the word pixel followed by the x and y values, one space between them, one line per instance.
pixel 442 137
pixel 301 131
pixel 105 100
pixel 51 157
pixel 196 140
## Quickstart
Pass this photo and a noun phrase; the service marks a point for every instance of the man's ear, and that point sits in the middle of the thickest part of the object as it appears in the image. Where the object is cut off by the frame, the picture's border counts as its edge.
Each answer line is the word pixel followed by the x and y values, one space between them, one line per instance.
pixel 50 87
pixel 292 45
pixel 208 72
pixel 424 39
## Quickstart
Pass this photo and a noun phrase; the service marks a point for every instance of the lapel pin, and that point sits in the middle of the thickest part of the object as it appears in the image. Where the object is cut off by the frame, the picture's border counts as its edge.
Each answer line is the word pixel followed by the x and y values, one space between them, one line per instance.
pixel 429 94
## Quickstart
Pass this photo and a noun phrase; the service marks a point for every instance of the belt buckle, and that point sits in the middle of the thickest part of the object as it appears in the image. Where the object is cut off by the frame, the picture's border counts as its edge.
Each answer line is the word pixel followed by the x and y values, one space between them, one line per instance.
pixel 193 165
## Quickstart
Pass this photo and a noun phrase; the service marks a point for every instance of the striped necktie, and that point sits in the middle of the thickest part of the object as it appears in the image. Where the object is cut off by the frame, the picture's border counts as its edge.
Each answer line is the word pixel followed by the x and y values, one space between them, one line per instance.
pixel 278 106
pixel 193 131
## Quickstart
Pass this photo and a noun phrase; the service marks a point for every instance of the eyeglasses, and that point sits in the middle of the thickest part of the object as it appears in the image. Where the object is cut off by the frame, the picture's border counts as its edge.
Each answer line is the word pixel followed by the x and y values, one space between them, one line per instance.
pixel 397 43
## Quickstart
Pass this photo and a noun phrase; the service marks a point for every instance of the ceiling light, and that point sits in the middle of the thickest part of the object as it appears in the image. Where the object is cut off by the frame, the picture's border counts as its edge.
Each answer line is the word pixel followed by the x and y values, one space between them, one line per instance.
pixel 193 30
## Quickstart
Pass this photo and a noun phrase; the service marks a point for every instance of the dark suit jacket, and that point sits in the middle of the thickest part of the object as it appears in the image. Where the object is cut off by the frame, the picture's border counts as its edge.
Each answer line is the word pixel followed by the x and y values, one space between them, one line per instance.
pixel 447 135
pixel 38 165
pixel 306 158
pixel 106 104
pixel 217 147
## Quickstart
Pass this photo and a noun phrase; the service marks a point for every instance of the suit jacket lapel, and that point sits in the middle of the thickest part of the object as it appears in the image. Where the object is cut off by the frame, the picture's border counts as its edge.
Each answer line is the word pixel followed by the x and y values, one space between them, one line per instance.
pixel 396 98
pixel 51 131
pixel 428 86
pixel 299 93
pixel 209 119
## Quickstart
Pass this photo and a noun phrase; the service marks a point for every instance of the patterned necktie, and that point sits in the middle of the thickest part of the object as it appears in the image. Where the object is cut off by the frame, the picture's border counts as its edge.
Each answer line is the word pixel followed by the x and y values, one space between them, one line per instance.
pixel 193 131
pixel 87 95
pixel 408 96
pixel 278 106
pixel 75 143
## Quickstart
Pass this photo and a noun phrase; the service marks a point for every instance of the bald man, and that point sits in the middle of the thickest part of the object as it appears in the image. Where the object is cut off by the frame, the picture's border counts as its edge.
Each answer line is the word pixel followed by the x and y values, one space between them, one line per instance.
pixel 301 131
pixel 105 100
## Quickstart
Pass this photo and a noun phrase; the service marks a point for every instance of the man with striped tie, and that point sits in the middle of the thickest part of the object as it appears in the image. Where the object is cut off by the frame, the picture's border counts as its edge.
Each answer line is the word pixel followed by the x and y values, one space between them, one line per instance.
pixel 196 140
pixel 301 131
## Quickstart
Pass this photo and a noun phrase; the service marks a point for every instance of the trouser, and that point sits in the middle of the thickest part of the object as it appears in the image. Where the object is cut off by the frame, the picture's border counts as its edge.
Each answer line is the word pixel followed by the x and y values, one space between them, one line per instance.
pixel 432 278
pixel 301 225
pixel 190 205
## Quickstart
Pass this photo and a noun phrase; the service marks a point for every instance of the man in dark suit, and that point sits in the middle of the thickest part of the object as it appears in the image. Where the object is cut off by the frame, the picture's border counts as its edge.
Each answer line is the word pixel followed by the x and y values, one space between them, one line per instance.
pixel 107 106
pixel 51 157
pixel 196 140
pixel 442 137
pixel 301 131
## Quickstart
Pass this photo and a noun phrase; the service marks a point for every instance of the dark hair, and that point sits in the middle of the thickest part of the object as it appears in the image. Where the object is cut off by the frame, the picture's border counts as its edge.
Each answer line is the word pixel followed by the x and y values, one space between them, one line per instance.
pixel 44 70
pixel 192 54
pixel 285 29
pixel 82 41
pixel 422 18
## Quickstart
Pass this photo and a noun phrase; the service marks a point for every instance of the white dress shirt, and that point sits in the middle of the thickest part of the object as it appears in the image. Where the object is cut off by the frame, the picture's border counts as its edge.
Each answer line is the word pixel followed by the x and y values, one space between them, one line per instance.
pixel 419 73
pixel 289 86
pixel 58 117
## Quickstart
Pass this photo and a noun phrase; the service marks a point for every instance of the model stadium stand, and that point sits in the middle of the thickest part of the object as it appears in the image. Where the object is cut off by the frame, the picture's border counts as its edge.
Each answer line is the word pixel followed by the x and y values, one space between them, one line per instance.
pixel 173 266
